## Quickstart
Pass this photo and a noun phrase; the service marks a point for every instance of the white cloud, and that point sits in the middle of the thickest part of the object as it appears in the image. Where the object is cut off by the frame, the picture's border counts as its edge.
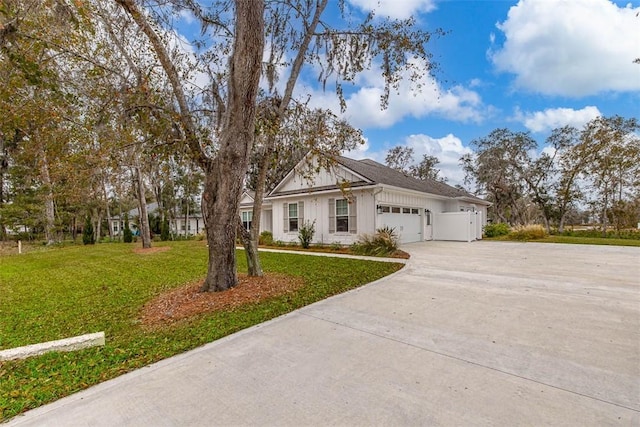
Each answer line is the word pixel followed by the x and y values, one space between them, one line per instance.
pixel 412 99
pixel 551 118
pixel 186 16
pixel 397 9
pixel 570 48
pixel 195 78
pixel 447 149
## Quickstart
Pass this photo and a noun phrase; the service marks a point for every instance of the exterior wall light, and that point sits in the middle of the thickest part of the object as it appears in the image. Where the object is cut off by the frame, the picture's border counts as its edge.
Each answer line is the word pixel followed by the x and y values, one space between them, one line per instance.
pixel 379 209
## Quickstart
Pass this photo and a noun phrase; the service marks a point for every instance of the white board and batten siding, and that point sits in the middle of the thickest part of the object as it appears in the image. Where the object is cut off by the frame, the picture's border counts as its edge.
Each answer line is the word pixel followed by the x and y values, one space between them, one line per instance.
pixel 321 209
pixel 297 182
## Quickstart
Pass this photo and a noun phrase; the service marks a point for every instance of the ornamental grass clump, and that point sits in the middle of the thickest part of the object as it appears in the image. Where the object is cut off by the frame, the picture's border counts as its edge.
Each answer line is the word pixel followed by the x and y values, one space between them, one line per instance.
pixel 528 232
pixel 383 243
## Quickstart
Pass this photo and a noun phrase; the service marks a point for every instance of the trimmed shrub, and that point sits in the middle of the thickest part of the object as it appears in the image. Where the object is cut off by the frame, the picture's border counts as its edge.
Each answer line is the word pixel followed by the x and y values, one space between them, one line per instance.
pixel 497 229
pixel 383 243
pixel 88 238
pixel 266 238
pixel 305 234
pixel 528 232
pixel 127 234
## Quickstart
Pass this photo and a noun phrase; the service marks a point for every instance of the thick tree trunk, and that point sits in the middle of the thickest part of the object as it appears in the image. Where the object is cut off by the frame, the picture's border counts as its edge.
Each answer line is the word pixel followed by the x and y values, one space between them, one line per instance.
pixel 145 233
pixel 222 191
pixel 224 175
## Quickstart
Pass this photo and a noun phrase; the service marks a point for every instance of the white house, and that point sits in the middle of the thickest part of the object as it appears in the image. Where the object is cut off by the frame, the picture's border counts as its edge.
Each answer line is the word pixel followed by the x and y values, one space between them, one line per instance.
pixel 246 212
pixel 357 197
pixel 181 226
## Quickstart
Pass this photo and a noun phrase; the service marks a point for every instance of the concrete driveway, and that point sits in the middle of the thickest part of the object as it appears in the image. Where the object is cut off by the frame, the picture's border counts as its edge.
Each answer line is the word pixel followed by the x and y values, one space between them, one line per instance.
pixel 486 333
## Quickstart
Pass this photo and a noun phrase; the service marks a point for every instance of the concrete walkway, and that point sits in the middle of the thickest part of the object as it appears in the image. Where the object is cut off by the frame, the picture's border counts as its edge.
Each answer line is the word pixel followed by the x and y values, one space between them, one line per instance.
pixel 486 333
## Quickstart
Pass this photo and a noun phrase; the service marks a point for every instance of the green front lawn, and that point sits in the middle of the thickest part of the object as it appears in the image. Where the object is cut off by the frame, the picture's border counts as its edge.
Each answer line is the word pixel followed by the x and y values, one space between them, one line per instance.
pixel 76 290
pixel 590 240
pixel 575 240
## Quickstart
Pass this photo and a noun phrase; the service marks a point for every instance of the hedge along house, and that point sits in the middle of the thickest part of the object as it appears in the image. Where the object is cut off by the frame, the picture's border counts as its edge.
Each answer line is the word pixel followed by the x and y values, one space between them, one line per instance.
pixel 354 197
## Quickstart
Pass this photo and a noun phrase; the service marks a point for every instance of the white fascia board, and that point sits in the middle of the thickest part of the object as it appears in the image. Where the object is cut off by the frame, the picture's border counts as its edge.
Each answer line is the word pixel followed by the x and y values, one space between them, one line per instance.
pixel 250 207
pixel 474 200
pixel 414 192
pixel 310 193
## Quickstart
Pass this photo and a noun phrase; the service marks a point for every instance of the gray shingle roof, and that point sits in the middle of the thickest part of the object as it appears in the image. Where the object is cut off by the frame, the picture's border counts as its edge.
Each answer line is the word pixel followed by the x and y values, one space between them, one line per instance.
pixel 381 174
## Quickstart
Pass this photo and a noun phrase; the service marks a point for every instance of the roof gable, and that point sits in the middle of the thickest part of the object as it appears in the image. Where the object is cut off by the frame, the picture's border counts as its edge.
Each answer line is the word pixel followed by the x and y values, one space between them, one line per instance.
pixel 247 197
pixel 321 178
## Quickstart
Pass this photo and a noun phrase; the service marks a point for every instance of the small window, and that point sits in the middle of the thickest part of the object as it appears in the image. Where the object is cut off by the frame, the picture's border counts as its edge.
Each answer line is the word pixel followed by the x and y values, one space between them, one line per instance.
pixel 115 227
pixel 428 218
pixel 386 209
pixel 406 210
pixel 247 219
pixel 415 211
pixel 395 209
pixel 342 216
pixel 293 217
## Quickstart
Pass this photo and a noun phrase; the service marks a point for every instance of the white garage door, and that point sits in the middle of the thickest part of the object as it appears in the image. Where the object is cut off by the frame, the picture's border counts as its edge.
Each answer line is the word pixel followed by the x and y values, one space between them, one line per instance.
pixel 406 221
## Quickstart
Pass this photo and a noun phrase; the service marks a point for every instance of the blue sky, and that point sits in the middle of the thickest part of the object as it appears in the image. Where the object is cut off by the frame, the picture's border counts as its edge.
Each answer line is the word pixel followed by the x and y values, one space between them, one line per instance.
pixel 528 65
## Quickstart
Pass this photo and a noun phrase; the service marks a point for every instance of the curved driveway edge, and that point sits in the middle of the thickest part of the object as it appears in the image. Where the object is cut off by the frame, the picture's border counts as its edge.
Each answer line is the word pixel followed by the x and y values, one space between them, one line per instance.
pixel 487 333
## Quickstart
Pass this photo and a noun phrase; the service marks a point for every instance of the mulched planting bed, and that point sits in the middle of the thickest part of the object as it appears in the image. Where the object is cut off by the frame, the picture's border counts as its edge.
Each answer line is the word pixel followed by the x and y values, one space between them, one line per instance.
pixel 187 301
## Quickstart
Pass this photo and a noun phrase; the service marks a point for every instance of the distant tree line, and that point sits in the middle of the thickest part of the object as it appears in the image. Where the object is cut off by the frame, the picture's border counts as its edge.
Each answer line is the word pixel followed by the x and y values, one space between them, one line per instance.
pixel 579 175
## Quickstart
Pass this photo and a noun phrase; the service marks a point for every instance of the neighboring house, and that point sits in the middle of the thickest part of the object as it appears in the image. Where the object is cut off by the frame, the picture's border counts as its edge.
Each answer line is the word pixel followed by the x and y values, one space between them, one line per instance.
pixel 246 212
pixel 194 224
pixel 358 197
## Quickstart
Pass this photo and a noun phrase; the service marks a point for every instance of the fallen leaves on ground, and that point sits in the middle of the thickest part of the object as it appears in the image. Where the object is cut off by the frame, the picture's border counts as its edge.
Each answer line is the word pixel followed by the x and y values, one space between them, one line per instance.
pixel 187 301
